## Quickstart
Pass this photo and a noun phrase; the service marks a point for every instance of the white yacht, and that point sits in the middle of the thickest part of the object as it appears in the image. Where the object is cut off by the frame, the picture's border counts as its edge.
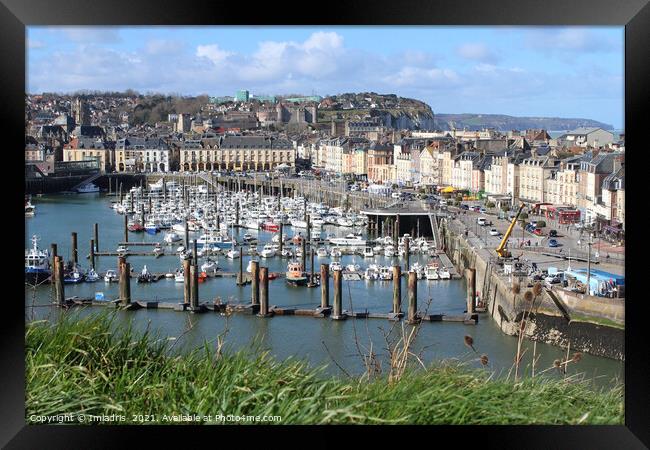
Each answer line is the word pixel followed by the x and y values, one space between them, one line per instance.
pixel 171 237
pixel 209 266
pixel 431 272
pixel 444 273
pixel 232 254
pixel 87 188
pixel 389 251
pixel 335 265
pixel 368 252
pixel 268 251
pixel 385 273
pixel 349 241
pixel 321 252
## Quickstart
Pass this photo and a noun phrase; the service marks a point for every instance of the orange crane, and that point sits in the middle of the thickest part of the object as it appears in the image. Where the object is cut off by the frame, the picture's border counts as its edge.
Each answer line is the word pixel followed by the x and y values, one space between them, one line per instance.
pixel 501 249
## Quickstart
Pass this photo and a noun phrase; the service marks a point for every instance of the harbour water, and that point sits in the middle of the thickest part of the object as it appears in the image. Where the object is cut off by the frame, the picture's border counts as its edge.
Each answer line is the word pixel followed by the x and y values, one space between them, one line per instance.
pixel 317 340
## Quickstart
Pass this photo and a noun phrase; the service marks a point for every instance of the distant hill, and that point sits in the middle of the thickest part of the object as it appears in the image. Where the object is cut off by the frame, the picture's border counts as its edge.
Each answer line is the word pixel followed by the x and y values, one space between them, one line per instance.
pixel 505 123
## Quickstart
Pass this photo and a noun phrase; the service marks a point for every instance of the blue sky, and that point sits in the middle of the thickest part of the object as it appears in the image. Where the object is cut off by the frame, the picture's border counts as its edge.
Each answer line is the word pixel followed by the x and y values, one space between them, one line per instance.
pixel 527 71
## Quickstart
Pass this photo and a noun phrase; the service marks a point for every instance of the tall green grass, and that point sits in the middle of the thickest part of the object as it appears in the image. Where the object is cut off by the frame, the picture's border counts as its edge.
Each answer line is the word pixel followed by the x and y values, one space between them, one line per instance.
pixel 80 365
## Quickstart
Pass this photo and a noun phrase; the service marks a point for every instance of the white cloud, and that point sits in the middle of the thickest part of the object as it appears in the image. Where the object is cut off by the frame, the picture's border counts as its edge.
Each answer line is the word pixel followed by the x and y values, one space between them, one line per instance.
pixel 477 52
pixel 94 34
pixel 571 40
pixel 212 52
pixel 32 43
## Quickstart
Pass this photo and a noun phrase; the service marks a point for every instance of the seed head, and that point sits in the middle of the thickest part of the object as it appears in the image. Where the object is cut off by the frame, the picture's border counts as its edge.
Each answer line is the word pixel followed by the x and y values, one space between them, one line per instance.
pixel 469 340
pixel 577 356
pixel 537 289
pixel 528 296
pixel 557 363
pixel 484 360
pixel 516 288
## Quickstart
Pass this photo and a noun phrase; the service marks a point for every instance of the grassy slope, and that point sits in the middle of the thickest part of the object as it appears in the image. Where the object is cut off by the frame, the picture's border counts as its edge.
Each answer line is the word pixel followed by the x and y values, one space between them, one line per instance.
pixel 84 367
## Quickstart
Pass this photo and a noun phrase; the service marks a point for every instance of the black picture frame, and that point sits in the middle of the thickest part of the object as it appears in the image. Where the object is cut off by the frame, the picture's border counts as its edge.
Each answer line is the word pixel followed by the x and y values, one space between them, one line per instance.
pixel 15 15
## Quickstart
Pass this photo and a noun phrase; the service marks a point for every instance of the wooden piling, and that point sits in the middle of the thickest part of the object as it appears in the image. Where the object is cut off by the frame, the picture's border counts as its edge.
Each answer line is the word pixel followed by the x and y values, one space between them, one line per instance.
pixel 281 237
pixel 407 253
pixel 92 253
pixel 75 258
pixel 397 289
pixel 337 313
pixel 311 277
pixel 194 285
pixel 59 288
pixel 264 292
pixel 470 276
pixel 240 275
pixel 187 236
pixel 96 236
pixel 255 282
pixel 186 281
pixel 324 285
pixel 413 296
pixel 125 284
pixel 126 228
pixel 303 245
pixel 53 251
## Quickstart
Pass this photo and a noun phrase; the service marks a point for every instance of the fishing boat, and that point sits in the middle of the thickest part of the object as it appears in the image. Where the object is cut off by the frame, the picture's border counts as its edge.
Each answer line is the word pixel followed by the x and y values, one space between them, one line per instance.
pixel 145 276
pixel 37 263
pixel 389 251
pixel 111 276
pixel 321 252
pixel 444 273
pixel 286 253
pixel 91 276
pixel 87 188
pixel 385 273
pixel 371 272
pixel 268 251
pixel 295 274
pixel 368 252
pixel 335 265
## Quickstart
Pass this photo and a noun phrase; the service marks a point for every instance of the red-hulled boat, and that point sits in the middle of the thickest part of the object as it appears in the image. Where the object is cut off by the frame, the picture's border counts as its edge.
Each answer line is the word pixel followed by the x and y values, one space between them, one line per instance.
pixel 135 226
pixel 271 226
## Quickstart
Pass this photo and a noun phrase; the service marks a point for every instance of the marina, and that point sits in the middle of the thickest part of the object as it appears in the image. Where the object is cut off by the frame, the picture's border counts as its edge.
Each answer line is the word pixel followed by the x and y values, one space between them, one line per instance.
pixel 365 292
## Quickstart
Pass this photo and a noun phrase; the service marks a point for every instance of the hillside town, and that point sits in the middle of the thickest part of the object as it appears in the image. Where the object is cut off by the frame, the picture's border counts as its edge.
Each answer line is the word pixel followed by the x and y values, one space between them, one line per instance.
pixel 378 143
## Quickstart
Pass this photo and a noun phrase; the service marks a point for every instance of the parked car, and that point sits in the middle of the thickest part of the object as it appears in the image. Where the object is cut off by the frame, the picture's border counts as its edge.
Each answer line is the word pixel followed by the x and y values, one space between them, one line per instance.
pixel 481 221
pixel 482 210
pixel 537 231
pixel 533 223
pixel 553 243
pixel 556 278
pixel 494 232
pixel 464 207
pixel 552 233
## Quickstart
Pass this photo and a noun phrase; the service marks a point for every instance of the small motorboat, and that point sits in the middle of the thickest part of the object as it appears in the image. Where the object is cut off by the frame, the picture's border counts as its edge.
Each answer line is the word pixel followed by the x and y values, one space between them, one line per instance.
pixel 209 266
pixel 335 265
pixel 145 276
pixel 158 251
pixel 335 252
pixel 135 226
pixel 74 277
pixel 385 273
pixel 180 249
pixel 389 251
pixel 122 249
pixel 444 273
pixel 232 254
pixel 151 228
pixel 286 253
pixel 368 252
pixel 179 277
pixel 91 276
pixel 202 277
pixel 321 252
pixel 271 226
pixel 431 271
pixel 248 237
pixel 111 276
pixel 171 237
pixel 352 268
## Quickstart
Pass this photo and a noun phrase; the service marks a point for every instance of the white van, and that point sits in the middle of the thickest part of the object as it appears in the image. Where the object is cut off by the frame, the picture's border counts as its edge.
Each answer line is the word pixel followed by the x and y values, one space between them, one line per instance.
pixel 481 221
